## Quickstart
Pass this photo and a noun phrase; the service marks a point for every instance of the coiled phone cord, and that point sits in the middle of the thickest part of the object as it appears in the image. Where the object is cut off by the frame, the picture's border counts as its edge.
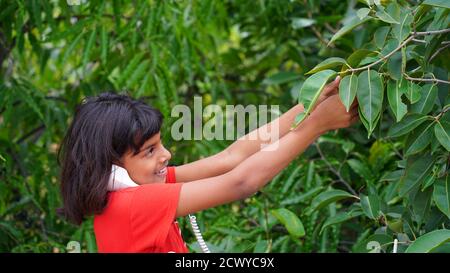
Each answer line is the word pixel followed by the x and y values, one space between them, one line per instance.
pixel 198 234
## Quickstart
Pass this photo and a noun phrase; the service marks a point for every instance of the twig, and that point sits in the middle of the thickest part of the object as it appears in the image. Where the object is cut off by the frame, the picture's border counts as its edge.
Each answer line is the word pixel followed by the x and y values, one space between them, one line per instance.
pixel 409 39
pixel 314 29
pixel 432 32
pixel 381 59
pixel 439 51
pixel 31 133
pixel 425 80
pixel 341 179
pixel 441 113
pixel 330 28
pixel 419 41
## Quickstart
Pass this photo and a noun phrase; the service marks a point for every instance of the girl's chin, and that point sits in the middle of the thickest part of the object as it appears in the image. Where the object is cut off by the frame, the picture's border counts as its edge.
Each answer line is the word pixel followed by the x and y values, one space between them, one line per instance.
pixel 160 178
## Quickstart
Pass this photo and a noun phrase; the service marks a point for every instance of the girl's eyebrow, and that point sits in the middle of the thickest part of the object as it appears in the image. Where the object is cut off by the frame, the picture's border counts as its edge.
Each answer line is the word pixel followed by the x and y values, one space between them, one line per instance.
pixel 149 146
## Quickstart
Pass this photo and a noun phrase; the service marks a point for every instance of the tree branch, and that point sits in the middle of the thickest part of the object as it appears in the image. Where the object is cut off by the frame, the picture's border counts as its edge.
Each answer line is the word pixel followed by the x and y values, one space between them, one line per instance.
pixel 409 39
pixel 439 51
pixel 333 170
pixel 432 32
pixel 381 59
pixel 425 80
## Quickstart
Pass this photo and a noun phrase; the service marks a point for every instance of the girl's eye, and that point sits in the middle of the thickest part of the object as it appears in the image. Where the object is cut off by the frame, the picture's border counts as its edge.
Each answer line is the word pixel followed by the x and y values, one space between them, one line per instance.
pixel 150 151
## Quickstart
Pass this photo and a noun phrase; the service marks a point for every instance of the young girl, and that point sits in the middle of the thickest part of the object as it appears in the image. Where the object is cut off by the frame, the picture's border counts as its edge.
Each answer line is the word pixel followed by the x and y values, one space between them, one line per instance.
pixel 115 129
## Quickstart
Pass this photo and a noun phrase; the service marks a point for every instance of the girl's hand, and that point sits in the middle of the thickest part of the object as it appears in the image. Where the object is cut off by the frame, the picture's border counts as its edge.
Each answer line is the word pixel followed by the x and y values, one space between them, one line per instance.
pixel 329 90
pixel 331 114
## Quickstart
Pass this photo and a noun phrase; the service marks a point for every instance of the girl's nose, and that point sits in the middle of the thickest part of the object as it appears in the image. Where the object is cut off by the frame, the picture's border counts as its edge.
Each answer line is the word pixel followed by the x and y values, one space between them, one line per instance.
pixel 166 155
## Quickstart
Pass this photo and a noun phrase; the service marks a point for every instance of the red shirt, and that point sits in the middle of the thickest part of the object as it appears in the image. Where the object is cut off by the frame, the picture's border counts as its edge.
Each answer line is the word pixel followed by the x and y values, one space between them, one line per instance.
pixel 141 219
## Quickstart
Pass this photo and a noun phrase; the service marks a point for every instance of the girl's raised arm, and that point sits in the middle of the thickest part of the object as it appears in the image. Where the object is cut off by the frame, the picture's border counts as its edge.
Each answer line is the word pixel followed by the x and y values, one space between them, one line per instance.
pixel 245 146
pixel 256 171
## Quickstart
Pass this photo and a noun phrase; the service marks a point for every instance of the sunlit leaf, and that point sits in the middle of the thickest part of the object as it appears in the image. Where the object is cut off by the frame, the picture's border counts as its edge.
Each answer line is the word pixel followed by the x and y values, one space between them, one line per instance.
pixel 370 96
pixel 290 221
pixel 429 241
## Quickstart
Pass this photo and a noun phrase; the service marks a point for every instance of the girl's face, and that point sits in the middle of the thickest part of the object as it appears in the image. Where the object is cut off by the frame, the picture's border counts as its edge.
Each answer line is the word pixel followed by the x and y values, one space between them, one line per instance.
pixel 149 165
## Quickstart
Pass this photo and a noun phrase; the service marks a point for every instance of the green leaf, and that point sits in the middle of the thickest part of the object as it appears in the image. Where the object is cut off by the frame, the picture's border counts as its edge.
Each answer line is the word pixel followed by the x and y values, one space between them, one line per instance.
pixel 143 87
pixel 356 57
pixel 261 246
pixel 292 223
pixel 302 22
pixel 104 45
pixel 394 65
pixel 385 17
pixel 429 241
pixel 416 171
pixel 420 139
pixel 380 35
pixel 352 23
pixel 395 90
pixel 429 93
pixel 302 198
pixel 360 168
pixel 441 194
pixel 442 133
pixel 138 73
pixel 437 3
pixel 129 68
pixel 428 182
pixel 396 225
pixel 364 122
pixel 370 96
pixel 413 92
pixel 392 176
pixel 298 119
pixel 30 100
pixel 362 13
pixel 281 77
pixel 328 63
pixel 74 29
pixel 90 242
pixel 373 244
pixel 421 204
pixel 347 90
pixel 291 179
pixel 162 95
pixel 407 124
pixel 310 92
pixel 88 48
pixel 328 197
pixel 401 31
pixel 340 218
pixel 72 47
pixel 370 205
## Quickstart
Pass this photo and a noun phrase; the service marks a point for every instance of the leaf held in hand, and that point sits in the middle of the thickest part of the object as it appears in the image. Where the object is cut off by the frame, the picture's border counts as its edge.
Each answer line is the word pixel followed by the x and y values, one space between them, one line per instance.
pixel 310 92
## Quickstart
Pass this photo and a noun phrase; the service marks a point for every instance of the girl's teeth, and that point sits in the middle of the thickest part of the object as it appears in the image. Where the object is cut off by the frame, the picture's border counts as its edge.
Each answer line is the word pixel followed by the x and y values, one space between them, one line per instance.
pixel 163 171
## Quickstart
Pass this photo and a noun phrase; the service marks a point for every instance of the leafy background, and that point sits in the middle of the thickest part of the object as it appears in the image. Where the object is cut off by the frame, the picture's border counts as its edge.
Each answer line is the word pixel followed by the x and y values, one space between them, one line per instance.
pixel 355 190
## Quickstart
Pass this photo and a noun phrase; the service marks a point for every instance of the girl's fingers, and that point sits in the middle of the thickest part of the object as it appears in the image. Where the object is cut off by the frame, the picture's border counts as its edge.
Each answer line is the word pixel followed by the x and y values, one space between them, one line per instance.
pixel 334 91
pixel 335 84
pixel 337 80
pixel 332 88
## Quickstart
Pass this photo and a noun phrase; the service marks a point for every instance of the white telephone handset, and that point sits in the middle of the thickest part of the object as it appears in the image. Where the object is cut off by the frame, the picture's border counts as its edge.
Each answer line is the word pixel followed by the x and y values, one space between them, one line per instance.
pixel 120 179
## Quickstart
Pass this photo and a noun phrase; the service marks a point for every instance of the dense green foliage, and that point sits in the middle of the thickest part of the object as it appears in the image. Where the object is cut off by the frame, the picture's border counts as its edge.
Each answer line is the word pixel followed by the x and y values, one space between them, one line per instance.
pixel 383 179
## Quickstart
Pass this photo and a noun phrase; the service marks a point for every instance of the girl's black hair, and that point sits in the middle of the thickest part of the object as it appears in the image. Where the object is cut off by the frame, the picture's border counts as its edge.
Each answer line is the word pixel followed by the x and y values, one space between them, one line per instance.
pixel 104 128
